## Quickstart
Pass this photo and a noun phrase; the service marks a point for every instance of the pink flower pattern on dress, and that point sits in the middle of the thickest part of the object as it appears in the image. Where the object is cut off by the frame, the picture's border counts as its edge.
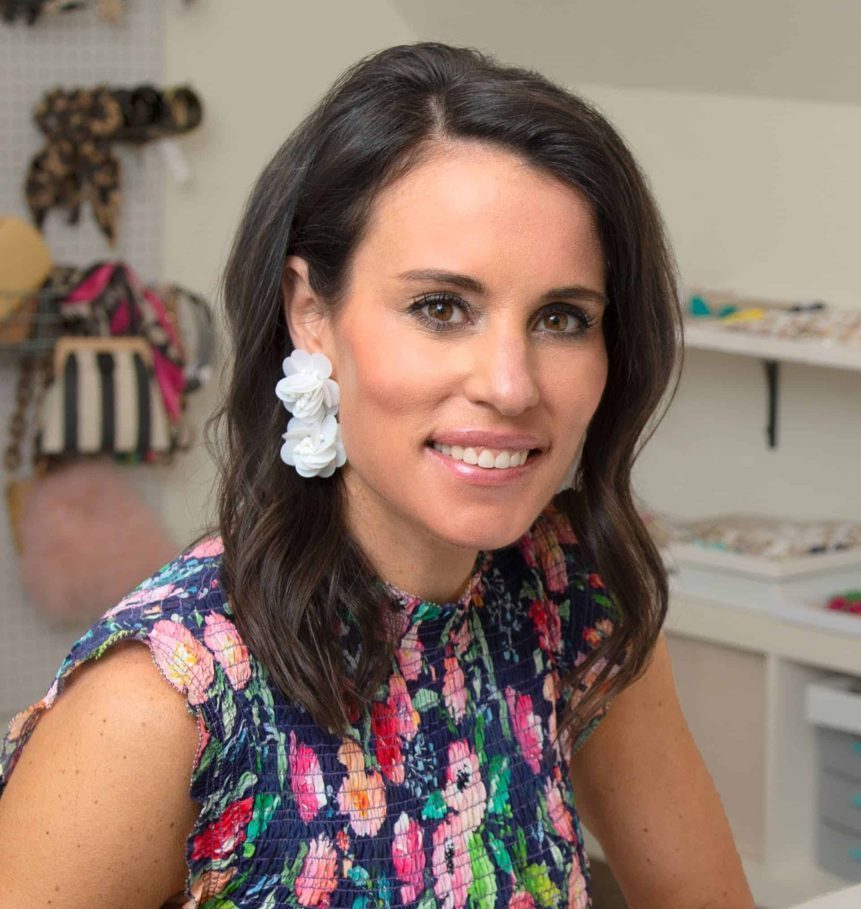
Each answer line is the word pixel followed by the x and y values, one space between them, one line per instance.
pixel 222 638
pixel 521 899
pixel 184 661
pixel 450 863
pixel 212 546
pixel 527 727
pixel 145 597
pixel 578 889
pixel 407 718
pixel 408 857
pixel 558 811
pixel 306 779
pixel 318 877
pixel 464 789
pixel 409 654
pixel 454 689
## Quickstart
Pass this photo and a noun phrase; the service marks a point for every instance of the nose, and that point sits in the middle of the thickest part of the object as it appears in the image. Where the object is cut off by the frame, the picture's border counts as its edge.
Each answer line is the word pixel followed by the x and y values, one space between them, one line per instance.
pixel 503 371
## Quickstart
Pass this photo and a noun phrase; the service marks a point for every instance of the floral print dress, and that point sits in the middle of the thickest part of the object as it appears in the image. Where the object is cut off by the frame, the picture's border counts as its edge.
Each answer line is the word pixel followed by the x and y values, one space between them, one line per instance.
pixel 450 792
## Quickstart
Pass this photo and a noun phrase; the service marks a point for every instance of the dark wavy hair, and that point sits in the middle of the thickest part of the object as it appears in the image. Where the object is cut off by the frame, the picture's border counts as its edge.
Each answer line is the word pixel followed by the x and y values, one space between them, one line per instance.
pixel 289 565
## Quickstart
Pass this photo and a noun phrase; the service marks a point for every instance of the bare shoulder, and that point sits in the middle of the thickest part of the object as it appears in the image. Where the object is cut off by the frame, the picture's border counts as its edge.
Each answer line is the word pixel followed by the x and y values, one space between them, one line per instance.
pixel 643 790
pixel 97 810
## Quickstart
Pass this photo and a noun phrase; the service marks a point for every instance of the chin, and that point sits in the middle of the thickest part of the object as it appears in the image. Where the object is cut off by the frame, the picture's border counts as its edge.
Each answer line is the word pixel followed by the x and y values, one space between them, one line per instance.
pixel 485 534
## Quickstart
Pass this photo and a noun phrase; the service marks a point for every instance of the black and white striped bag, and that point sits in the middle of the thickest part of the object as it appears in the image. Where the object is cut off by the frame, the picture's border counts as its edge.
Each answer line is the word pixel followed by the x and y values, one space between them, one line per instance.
pixel 104 398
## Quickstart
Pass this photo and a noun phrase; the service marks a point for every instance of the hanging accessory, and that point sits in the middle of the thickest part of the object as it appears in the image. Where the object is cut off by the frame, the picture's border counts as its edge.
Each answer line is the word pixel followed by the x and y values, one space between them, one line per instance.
pixel 108 298
pixel 77 164
pixel 121 369
pixel 192 319
pixel 30 10
pixel 312 443
pixel 104 399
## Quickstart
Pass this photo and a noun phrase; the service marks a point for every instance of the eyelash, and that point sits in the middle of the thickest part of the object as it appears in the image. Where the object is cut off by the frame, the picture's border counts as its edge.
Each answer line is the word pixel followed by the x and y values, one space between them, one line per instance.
pixel 586 321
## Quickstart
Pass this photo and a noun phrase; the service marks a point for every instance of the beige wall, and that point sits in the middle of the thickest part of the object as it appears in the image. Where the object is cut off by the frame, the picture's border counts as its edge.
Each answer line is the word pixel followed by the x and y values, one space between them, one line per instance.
pixel 769 48
pixel 760 195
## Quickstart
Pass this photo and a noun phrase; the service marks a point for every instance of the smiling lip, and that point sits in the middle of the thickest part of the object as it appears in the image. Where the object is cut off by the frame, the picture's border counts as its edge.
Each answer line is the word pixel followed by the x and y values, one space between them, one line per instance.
pixel 474 475
pixel 477 438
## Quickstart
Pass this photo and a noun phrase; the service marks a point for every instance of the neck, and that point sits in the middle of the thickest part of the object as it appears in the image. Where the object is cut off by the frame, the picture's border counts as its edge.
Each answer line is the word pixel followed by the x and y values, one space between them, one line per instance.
pixel 411 558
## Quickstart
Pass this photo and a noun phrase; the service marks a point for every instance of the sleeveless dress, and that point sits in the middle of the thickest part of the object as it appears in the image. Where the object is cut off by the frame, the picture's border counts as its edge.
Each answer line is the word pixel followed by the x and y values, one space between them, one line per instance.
pixel 451 794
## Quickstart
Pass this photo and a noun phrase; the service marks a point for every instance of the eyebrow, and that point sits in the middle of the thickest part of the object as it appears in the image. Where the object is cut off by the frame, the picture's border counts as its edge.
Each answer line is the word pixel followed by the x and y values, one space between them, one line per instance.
pixel 466 282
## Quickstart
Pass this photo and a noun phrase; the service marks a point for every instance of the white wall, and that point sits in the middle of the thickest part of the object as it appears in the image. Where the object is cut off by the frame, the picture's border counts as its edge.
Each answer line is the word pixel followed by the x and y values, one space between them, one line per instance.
pixel 760 195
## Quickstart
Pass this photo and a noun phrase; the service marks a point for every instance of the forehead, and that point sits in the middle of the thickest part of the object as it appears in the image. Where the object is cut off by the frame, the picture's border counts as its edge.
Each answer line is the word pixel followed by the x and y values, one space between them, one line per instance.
pixel 471 206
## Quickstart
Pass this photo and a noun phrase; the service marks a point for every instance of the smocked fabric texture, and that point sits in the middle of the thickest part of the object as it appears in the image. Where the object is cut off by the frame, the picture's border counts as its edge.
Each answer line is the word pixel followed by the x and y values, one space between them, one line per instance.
pixel 451 792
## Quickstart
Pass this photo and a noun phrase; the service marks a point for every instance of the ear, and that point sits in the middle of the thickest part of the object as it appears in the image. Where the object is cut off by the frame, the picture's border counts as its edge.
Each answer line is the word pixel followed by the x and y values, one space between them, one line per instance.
pixel 305 312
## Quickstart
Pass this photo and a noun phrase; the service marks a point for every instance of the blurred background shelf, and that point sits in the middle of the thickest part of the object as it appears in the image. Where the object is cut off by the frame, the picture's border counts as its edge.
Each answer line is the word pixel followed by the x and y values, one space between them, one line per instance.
pixel 813 353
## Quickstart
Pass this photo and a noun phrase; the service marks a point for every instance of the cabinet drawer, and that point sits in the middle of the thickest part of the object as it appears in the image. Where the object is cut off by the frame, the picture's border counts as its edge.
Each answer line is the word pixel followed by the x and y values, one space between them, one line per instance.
pixel 840 851
pixel 840 752
pixel 840 801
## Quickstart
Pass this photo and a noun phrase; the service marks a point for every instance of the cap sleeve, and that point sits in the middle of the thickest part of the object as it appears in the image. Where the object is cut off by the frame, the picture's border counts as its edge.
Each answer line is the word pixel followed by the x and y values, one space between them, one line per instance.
pixel 196 649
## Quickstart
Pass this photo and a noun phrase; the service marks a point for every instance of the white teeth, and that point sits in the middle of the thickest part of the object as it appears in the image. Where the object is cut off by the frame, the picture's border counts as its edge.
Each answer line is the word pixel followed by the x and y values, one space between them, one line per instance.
pixel 486 459
pixel 501 461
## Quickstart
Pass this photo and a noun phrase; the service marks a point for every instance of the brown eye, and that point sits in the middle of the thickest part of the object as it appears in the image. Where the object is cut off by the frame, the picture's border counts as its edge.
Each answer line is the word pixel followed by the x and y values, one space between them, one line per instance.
pixel 555 320
pixel 567 321
pixel 437 311
pixel 441 310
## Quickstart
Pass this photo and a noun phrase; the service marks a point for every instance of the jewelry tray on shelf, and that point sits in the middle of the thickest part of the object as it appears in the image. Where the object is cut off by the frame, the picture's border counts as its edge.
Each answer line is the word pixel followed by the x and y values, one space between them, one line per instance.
pixel 794 589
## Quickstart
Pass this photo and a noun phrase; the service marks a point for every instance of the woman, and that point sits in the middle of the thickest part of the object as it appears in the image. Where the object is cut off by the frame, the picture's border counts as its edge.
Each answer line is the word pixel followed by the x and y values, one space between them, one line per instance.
pixel 400 636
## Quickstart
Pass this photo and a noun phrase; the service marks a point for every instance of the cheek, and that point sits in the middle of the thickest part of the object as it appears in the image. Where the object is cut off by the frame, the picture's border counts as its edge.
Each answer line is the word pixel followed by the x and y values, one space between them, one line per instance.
pixel 576 387
pixel 387 395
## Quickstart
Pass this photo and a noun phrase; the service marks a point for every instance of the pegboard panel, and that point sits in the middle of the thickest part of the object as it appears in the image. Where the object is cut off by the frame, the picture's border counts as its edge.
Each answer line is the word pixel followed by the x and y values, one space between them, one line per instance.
pixel 71 50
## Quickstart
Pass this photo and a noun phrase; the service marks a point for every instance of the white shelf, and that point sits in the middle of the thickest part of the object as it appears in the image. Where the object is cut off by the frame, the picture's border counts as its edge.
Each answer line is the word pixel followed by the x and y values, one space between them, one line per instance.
pixel 809 351
pixel 751 627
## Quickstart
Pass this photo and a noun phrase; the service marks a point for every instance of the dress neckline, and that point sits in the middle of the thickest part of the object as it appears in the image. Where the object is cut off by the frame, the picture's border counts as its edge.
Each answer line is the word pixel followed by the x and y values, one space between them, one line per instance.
pixel 408 603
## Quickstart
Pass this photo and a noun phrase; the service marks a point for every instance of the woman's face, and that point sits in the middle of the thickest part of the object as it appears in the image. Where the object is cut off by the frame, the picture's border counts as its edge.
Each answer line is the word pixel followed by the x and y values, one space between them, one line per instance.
pixel 499 346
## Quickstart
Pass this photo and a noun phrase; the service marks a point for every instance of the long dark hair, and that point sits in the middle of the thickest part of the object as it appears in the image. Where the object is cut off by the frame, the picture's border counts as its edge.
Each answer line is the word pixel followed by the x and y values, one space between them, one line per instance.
pixel 289 565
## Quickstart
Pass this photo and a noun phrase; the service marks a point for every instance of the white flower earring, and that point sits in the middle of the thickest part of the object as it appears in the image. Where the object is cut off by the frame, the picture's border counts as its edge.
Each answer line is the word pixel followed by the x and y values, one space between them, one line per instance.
pixel 312 443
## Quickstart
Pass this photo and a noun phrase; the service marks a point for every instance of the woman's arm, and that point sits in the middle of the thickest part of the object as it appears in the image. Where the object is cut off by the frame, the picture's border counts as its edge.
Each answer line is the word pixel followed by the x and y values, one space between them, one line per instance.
pixel 96 812
pixel 642 789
